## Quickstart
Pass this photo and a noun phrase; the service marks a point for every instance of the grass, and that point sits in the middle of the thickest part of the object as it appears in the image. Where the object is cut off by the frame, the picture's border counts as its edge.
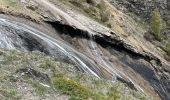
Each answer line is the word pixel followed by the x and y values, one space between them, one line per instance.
pixel 167 49
pixel 48 64
pixel 40 89
pixel 15 8
pixel 78 91
pixel 66 80
pixel 98 11
pixel 12 56
pixel 8 93
pixel 114 94
pixel 75 90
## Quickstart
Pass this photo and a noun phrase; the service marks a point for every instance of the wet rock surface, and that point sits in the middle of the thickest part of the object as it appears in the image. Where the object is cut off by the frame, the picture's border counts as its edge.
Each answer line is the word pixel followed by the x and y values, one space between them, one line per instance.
pixel 142 64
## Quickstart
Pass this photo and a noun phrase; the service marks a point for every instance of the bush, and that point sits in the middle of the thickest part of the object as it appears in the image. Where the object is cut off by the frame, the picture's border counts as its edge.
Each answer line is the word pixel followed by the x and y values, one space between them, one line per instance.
pixel 156 24
pixel 114 93
pixel 167 49
pixel 92 2
pixel 104 12
pixel 75 90
pixel 71 88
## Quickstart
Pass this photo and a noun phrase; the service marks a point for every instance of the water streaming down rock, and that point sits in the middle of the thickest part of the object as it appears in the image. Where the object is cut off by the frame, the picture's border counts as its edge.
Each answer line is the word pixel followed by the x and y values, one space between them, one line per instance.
pixel 16 35
pixel 137 70
pixel 95 60
pixel 23 37
pixel 115 67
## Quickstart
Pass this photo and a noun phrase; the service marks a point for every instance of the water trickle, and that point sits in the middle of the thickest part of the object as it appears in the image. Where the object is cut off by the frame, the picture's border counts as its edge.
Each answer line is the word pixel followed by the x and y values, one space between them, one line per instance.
pixel 94 60
pixel 11 31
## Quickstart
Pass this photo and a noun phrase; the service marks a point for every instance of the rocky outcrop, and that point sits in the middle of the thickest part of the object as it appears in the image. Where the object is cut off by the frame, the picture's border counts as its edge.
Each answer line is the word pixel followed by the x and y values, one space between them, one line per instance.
pixel 149 66
pixel 143 8
pixel 92 47
pixel 150 63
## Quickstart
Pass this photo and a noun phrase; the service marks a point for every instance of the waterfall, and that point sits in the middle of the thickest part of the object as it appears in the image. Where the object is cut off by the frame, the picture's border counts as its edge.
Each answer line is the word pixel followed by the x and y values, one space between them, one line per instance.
pixel 94 60
pixel 11 31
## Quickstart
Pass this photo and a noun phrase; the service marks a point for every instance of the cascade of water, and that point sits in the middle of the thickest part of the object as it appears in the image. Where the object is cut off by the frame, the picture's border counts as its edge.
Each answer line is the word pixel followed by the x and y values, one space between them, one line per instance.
pixel 52 43
pixel 14 35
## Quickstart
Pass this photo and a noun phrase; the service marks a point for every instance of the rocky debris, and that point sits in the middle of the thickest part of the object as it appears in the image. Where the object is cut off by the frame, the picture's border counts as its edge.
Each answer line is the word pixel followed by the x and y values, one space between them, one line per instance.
pixel 34 74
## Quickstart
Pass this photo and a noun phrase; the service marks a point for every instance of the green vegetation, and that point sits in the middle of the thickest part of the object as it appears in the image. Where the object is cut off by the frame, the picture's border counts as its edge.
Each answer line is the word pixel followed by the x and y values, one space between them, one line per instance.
pixel 92 2
pixel 97 10
pixel 9 93
pixel 10 57
pixel 167 49
pixel 75 90
pixel 168 23
pixel 65 79
pixel 114 94
pixel 104 12
pixel 48 64
pixel 40 89
pixel 156 24
pixel 16 8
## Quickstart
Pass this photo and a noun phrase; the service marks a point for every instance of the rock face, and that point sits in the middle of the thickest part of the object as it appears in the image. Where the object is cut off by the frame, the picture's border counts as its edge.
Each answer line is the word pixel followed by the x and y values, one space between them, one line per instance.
pixel 143 8
pixel 92 47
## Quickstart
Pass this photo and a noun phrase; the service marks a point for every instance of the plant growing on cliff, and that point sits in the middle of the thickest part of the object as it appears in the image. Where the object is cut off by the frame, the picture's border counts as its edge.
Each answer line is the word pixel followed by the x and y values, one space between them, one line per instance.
pixel 104 12
pixel 167 49
pixel 156 24
pixel 92 2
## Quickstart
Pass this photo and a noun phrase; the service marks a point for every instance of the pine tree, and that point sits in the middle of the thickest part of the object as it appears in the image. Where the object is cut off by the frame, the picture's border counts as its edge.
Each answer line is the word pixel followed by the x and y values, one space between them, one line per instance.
pixel 156 24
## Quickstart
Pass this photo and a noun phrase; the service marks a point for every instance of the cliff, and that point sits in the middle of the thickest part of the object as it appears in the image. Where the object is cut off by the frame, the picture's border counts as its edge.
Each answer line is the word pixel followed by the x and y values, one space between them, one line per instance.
pixel 102 38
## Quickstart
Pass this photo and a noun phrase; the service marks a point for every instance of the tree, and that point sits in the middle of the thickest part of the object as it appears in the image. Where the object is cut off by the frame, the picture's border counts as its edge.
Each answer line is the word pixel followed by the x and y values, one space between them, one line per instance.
pixel 156 24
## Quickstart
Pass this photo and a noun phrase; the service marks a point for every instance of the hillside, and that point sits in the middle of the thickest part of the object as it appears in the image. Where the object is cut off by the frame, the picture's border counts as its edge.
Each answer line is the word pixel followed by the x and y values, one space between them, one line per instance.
pixel 108 44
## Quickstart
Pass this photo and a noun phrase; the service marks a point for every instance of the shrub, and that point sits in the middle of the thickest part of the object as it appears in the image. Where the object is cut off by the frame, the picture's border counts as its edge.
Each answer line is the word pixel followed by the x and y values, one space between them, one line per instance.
pixel 168 23
pixel 167 49
pixel 9 93
pixel 75 90
pixel 104 12
pixel 40 89
pixel 92 2
pixel 71 88
pixel 114 93
pixel 156 24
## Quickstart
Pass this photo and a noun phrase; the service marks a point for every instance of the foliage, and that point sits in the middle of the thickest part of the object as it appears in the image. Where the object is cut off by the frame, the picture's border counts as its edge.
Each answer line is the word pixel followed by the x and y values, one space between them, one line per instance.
pixel 48 64
pixel 40 89
pixel 156 24
pixel 114 94
pixel 92 2
pixel 104 12
pixel 65 79
pixel 9 93
pixel 75 90
pixel 97 10
pixel 167 49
